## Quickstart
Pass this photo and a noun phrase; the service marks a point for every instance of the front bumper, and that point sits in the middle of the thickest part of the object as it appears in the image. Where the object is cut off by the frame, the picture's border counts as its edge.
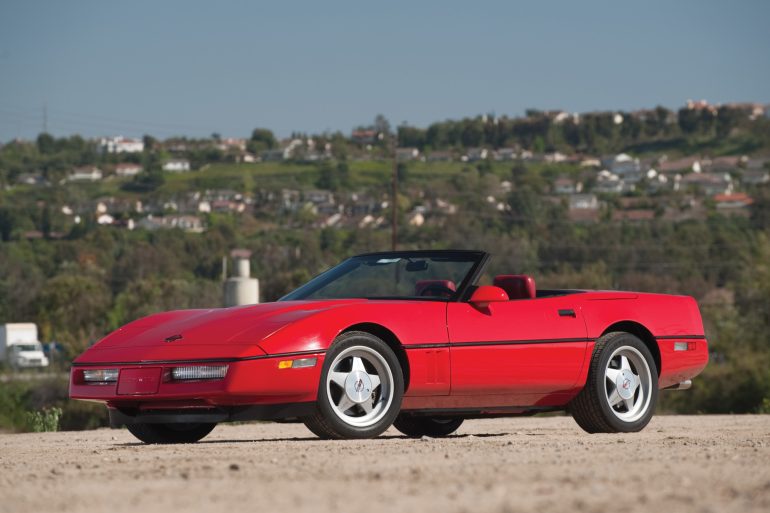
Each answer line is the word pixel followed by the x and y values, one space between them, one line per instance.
pixel 249 381
pixel 122 416
pixel 31 363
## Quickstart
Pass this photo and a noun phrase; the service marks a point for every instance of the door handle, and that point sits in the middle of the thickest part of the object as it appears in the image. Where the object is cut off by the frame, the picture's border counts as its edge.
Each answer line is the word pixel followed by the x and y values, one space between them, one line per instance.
pixel 568 312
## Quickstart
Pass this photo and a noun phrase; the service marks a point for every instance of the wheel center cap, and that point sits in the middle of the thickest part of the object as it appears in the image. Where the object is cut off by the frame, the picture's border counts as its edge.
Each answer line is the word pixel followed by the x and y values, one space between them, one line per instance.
pixel 626 384
pixel 358 386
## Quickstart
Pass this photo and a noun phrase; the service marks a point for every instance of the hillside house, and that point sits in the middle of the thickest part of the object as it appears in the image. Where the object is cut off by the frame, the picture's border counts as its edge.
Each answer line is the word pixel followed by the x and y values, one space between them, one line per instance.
pixel 565 185
pixel 723 164
pixel 738 200
pixel 127 169
pixel 364 136
pixel 476 154
pixel 583 202
pixel 583 208
pixel 622 165
pixel 407 154
pixel 682 165
pixel 176 166
pixel 440 156
pixel 505 154
pixel 708 183
pixel 610 183
pixel 757 177
pixel 31 179
pixel 192 224
pixel 231 144
pixel 554 157
pixel 121 144
pixel 85 174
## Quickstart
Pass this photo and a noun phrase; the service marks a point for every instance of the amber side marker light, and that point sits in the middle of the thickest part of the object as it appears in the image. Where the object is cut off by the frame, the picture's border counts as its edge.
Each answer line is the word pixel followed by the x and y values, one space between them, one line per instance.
pixel 298 363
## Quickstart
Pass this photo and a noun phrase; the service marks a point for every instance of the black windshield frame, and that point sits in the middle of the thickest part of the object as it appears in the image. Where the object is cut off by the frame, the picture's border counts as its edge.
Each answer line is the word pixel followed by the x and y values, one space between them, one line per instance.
pixel 478 261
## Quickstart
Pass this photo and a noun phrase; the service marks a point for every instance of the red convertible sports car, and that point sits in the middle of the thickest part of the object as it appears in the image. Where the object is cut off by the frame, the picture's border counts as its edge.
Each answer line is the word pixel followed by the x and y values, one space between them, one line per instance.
pixel 413 339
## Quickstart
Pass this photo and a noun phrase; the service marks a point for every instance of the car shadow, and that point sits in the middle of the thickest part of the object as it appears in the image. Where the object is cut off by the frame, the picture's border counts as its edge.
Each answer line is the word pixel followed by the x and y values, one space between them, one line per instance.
pixel 313 439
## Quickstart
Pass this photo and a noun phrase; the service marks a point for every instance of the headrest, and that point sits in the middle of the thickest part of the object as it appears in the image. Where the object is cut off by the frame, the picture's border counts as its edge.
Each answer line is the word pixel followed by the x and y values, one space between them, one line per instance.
pixel 518 286
pixel 433 287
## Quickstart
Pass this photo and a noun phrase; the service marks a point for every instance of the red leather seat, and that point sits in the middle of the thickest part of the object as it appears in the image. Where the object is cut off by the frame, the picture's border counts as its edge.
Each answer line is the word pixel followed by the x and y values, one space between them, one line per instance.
pixel 423 286
pixel 518 286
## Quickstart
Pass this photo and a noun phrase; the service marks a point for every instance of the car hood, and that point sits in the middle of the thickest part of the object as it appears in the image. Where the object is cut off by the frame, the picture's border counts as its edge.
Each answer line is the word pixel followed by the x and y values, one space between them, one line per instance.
pixel 212 333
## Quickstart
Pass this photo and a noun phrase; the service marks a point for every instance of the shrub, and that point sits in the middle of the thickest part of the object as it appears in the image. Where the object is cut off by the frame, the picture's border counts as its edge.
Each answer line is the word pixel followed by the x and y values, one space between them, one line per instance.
pixel 43 420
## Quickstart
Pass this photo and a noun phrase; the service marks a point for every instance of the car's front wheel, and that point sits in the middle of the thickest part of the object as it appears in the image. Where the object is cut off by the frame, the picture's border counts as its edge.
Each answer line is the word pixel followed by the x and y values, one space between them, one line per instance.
pixel 434 427
pixel 181 433
pixel 622 388
pixel 360 391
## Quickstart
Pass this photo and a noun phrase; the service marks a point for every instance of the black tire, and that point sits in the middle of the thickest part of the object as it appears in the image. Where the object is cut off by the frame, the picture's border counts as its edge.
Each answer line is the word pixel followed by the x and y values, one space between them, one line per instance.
pixel 170 433
pixel 434 427
pixel 327 424
pixel 591 408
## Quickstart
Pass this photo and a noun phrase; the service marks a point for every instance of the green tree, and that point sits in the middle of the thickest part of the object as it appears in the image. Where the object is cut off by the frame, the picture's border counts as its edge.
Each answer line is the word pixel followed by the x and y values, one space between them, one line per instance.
pixel 261 139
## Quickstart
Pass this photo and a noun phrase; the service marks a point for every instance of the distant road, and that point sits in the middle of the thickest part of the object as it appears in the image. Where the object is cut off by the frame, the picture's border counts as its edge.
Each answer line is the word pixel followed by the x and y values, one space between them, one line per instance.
pixel 7 377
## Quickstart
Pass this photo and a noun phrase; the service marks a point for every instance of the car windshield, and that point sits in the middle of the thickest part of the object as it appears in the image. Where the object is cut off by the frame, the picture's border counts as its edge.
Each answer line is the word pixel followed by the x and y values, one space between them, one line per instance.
pixel 27 347
pixel 439 275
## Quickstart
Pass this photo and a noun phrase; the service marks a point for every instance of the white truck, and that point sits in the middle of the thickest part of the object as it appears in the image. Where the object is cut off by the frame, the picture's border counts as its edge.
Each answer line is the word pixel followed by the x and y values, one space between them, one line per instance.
pixel 19 346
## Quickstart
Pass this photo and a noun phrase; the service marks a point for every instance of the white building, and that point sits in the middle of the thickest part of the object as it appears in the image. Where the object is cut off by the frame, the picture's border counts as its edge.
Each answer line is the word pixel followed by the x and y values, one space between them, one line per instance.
pixel 176 166
pixel 405 154
pixel 121 144
pixel 187 223
pixel 128 169
pixel 583 202
pixel 85 174
pixel 475 154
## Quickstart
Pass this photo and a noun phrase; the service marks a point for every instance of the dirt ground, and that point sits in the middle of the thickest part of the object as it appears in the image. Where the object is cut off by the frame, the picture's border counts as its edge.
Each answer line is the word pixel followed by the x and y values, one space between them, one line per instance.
pixel 705 464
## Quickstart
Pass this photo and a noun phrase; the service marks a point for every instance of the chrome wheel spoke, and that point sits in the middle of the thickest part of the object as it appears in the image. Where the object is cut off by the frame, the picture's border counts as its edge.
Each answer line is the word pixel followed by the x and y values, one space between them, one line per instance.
pixel 358 364
pixel 345 403
pixel 614 398
pixel 612 374
pixel 624 363
pixel 368 406
pixel 338 378
pixel 629 404
pixel 375 379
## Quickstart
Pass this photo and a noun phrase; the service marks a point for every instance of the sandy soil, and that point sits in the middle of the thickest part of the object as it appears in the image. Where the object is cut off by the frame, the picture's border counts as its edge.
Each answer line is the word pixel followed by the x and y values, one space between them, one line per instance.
pixel 704 464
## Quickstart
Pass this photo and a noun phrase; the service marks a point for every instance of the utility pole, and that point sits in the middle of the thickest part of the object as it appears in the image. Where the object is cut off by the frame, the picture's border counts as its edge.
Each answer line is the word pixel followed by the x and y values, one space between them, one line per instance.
pixel 45 117
pixel 394 196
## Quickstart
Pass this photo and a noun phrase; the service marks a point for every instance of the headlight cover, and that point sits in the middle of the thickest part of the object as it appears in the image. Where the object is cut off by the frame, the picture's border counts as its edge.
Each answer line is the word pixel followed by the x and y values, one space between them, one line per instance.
pixel 193 372
pixel 100 375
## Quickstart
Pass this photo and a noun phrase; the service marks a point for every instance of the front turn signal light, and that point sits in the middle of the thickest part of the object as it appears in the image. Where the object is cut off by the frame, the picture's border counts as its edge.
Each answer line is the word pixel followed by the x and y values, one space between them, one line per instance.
pixel 299 363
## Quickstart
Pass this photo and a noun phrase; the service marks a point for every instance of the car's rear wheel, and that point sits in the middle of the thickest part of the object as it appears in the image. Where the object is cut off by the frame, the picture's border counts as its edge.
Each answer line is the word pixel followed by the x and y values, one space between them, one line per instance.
pixel 360 391
pixel 622 388
pixel 182 433
pixel 435 427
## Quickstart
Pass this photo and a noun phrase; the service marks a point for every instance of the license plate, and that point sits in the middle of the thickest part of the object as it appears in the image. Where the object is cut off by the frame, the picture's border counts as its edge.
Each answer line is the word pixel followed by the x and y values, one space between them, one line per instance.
pixel 143 381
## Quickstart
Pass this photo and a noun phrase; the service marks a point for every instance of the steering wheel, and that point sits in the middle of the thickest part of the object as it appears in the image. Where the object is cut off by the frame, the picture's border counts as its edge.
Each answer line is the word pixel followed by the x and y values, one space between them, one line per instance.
pixel 437 290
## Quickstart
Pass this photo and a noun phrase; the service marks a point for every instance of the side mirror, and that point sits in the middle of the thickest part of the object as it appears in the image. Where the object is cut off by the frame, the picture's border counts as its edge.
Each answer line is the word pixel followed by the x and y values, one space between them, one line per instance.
pixel 486 294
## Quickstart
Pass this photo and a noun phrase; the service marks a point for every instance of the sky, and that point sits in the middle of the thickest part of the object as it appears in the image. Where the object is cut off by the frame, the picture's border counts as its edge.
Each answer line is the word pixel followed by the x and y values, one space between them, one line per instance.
pixel 167 67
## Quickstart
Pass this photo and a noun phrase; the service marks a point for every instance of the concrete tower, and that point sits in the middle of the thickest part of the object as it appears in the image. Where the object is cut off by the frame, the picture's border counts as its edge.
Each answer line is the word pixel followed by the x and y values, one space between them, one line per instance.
pixel 241 289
